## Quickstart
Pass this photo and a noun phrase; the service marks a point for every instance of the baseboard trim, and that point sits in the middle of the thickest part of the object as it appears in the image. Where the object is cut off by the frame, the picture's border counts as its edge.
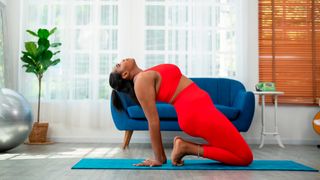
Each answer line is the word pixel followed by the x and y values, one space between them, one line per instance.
pixel 285 141
pixel 169 140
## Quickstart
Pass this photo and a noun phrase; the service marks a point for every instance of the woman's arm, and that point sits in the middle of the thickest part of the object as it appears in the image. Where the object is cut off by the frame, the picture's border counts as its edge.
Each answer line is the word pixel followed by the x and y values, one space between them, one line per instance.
pixel 146 94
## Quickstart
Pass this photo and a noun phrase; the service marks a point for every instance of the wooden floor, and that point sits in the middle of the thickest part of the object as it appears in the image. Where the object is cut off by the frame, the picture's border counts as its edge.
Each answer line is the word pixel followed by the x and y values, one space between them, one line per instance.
pixel 55 161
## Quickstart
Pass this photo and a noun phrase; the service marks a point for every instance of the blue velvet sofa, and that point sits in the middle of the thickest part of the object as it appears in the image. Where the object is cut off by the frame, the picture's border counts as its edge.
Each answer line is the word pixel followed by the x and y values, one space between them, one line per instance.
pixel 228 95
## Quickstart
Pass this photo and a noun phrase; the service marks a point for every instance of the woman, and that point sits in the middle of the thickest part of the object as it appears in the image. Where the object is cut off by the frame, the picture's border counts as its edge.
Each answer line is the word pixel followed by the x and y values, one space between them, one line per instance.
pixel 197 115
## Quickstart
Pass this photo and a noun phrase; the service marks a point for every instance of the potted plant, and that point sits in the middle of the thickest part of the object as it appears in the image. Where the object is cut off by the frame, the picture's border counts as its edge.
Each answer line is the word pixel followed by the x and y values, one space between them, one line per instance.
pixel 37 59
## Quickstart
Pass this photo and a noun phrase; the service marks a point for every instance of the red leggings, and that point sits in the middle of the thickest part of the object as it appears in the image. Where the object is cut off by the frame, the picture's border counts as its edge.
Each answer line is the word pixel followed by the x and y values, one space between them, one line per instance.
pixel 198 117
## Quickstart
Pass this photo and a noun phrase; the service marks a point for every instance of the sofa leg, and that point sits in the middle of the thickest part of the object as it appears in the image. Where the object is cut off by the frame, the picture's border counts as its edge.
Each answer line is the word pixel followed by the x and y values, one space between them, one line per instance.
pixel 127 137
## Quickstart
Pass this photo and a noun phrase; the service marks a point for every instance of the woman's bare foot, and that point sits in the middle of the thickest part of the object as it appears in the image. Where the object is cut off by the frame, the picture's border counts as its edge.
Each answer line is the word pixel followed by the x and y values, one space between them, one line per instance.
pixel 178 151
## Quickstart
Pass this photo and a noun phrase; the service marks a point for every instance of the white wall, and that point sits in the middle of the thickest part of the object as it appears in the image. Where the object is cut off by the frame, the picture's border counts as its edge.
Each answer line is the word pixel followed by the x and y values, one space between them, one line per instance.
pixel 294 121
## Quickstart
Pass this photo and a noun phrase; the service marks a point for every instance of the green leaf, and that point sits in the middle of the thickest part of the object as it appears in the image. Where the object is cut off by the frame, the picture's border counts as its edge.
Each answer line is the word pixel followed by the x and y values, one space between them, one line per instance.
pixel 43 33
pixel 56 52
pixel 44 42
pixel 47 55
pixel 32 33
pixel 31 69
pixel 29 65
pixel 31 47
pixel 45 63
pixel 55 62
pixel 27 60
pixel 38 69
pixel 26 65
pixel 27 54
pixel 41 49
pixel 52 30
pixel 37 57
pixel 55 44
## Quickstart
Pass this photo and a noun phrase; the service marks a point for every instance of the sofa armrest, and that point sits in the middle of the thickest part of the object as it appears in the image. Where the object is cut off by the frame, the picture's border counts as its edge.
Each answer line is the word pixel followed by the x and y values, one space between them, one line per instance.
pixel 119 117
pixel 245 102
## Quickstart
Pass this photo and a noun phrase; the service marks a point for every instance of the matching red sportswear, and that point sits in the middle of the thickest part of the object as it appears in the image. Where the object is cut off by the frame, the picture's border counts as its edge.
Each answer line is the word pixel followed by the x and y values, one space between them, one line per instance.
pixel 198 117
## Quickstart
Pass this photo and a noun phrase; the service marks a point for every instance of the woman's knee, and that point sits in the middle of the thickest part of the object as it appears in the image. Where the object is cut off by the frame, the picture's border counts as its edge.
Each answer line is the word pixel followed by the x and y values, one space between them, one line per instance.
pixel 247 159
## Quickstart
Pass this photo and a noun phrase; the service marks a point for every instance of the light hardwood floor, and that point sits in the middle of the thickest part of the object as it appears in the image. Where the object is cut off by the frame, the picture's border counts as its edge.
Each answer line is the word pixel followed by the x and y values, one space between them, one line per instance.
pixel 55 161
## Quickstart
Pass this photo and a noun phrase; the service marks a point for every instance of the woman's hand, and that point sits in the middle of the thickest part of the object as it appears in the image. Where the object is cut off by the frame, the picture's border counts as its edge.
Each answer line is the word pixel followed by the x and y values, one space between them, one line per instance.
pixel 150 163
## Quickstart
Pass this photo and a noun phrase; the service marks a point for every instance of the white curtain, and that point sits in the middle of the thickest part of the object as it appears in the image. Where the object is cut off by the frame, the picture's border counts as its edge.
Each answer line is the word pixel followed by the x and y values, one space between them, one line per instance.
pixel 2 45
pixel 201 37
pixel 75 92
pixel 88 33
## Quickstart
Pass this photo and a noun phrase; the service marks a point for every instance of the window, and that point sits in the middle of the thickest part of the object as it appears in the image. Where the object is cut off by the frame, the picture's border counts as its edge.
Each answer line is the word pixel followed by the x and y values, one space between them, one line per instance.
pixel 289 42
pixel 201 37
pixel 88 30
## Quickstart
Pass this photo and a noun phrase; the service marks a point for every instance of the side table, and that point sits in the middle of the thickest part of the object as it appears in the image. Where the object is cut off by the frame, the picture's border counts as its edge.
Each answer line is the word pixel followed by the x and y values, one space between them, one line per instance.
pixel 275 133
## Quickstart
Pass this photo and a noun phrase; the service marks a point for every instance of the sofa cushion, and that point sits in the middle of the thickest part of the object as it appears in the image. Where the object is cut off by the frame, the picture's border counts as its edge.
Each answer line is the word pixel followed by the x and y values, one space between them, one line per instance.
pixel 230 112
pixel 167 111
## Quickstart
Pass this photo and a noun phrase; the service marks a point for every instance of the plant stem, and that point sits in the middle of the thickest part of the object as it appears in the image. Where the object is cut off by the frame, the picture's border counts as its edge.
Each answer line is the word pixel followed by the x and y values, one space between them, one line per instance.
pixel 39 95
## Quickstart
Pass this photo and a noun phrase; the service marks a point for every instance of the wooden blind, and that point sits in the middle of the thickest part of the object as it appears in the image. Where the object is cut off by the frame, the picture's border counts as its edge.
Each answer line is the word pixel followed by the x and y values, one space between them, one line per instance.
pixel 289 48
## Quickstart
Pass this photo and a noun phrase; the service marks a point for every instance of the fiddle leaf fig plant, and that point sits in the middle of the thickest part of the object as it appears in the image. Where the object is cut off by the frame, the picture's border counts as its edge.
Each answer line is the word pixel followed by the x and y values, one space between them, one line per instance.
pixel 38 56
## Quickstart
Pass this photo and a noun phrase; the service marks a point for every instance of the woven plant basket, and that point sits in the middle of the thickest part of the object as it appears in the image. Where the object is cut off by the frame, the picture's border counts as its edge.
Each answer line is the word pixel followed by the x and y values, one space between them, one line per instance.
pixel 39 133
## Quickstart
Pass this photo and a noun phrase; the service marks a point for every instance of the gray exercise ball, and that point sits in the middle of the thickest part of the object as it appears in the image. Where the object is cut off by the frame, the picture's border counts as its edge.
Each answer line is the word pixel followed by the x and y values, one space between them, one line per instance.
pixel 15 119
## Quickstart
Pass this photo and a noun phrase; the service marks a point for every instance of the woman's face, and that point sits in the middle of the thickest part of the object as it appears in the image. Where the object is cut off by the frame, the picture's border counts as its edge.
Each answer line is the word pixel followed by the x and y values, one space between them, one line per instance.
pixel 125 67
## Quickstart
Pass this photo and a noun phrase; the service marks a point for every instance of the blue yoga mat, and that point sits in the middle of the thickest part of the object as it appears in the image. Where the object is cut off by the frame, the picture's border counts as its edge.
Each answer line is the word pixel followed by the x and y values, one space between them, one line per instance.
pixel 197 164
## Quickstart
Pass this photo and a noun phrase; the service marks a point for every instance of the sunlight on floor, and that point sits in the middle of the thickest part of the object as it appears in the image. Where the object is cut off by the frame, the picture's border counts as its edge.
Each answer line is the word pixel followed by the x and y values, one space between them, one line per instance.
pixel 30 156
pixel 113 152
pixel 7 156
pixel 99 152
pixel 75 153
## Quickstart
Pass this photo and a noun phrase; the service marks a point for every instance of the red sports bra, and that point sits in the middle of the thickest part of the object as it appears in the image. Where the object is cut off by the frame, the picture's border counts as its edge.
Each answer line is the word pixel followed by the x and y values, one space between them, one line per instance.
pixel 170 77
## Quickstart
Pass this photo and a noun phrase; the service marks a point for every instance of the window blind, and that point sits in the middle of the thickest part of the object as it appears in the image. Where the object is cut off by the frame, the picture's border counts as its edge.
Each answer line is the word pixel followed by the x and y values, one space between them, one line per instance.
pixel 289 48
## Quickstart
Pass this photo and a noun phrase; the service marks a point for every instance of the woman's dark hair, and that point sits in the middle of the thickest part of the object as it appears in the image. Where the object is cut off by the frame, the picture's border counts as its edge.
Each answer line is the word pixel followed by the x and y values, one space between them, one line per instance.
pixel 121 85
